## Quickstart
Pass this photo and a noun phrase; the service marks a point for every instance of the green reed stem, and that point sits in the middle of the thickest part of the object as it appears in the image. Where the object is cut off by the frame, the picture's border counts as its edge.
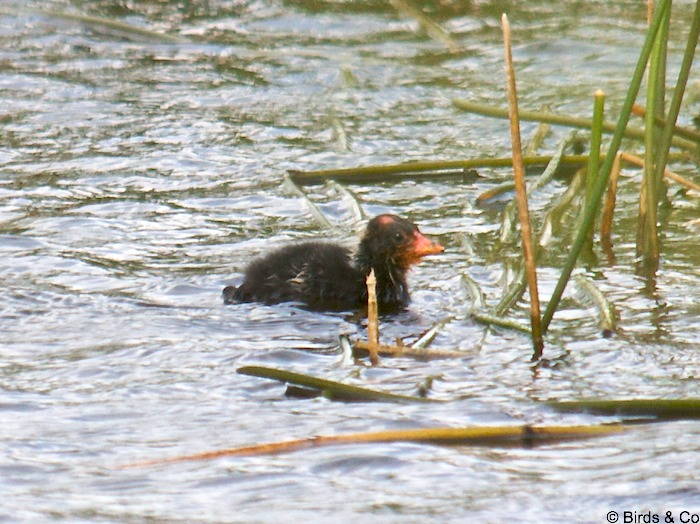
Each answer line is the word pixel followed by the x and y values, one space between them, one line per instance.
pixel 678 92
pixel 594 157
pixel 660 96
pixel 647 233
pixel 596 139
pixel 602 179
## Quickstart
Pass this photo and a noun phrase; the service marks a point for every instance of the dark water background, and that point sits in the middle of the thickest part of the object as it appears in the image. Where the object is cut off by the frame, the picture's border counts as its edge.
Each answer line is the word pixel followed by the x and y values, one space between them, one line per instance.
pixel 138 178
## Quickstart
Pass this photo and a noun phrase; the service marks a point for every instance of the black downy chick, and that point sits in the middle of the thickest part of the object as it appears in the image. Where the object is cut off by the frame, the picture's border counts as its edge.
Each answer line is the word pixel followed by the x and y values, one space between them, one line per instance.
pixel 325 277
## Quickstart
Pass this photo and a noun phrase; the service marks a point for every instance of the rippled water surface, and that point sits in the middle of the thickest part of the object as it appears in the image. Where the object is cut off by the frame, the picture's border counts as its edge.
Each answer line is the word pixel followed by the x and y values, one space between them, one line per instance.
pixel 138 177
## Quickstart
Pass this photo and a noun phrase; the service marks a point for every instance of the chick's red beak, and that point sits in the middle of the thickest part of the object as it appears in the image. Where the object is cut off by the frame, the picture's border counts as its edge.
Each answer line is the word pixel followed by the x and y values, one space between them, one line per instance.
pixel 420 247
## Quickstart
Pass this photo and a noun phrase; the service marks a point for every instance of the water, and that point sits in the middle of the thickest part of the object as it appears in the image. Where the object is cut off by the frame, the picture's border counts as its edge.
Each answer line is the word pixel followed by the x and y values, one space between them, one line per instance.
pixel 138 178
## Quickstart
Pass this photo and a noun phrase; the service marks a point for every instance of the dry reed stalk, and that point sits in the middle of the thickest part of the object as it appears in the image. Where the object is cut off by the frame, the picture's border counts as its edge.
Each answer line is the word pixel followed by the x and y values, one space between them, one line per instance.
pixel 521 193
pixel 372 319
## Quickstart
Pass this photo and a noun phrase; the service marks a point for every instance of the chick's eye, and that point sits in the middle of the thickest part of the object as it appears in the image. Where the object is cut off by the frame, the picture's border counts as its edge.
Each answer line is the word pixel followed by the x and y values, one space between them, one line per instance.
pixel 398 237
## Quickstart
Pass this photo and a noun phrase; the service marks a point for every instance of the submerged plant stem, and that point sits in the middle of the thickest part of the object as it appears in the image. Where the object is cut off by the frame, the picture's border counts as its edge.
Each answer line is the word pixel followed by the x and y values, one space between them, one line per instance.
pixel 431 28
pixel 424 169
pixel 606 311
pixel 499 321
pixel 106 23
pixel 290 186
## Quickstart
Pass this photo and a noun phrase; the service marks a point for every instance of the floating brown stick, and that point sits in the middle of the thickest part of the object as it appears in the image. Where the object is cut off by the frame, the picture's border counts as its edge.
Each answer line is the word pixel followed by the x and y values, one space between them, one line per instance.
pixel 521 193
pixel 361 347
pixel 510 436
pixel 372 345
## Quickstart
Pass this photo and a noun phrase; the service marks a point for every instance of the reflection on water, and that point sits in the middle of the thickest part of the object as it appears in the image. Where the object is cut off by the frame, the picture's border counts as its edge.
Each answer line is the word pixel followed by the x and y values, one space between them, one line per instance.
pixel 138 178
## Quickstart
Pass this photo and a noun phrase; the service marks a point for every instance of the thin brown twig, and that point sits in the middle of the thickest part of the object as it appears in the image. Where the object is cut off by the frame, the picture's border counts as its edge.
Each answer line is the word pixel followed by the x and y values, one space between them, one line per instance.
pixel 690 134
pixel 609 207
pixel 372 319
pixel 521 193
pixel 564 120
pixel 638 161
